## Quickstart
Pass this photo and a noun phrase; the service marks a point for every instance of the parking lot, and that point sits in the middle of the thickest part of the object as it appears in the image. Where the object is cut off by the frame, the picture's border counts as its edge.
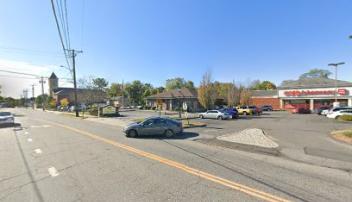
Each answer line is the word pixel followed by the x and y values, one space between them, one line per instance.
pixel 308 133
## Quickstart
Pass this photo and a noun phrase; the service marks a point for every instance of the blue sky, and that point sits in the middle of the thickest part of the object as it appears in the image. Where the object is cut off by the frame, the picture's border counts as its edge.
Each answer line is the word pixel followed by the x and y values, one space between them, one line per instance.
pixel 153 40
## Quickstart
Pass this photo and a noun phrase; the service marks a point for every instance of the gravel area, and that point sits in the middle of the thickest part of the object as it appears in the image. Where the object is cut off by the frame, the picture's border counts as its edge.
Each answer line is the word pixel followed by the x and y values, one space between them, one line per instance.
pixel 250 136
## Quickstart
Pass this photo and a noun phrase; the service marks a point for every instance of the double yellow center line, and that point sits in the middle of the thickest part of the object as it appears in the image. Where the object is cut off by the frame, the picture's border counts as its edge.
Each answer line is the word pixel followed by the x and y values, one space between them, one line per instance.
pixel 233 185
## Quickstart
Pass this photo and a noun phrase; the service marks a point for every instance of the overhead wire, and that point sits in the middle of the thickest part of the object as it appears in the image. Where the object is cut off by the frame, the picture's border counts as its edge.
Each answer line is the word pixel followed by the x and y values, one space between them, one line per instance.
pixel 67 25
pixel 60 34
pixel 27 74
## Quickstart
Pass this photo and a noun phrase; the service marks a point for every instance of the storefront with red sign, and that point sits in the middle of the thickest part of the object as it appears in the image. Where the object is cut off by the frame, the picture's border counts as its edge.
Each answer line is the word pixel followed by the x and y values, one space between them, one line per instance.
pixel 312 99
pixel 308 94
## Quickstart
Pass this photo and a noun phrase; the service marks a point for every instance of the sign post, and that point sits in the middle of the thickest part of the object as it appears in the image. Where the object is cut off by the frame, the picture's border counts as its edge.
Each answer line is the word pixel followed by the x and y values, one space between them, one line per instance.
pixel 185 108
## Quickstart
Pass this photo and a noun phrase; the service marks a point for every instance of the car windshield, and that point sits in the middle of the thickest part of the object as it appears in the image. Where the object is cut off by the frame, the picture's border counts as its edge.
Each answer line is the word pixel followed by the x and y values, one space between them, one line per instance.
pixel 5 114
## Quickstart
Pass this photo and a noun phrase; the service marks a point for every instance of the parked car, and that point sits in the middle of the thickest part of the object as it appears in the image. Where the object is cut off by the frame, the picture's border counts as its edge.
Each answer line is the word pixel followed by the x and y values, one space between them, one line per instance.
pixel 244 110
pixel 266 108
pixel 325 112
pixel 154 126
pixel 232 112
pixel 322 109
pixel 256 110
pixel 6 118
pixel 332 110
pixel 80 107
pixel 215 114
pixel 303 110
pixel 337 114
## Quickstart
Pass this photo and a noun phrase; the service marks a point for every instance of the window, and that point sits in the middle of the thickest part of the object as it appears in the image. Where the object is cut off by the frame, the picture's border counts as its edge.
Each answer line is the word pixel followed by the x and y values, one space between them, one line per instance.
pixel 148 122
pixel 5 114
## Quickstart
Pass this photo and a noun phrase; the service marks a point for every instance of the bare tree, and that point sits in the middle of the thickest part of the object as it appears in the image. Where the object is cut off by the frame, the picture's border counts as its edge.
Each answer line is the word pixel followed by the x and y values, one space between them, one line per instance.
pixel 206 91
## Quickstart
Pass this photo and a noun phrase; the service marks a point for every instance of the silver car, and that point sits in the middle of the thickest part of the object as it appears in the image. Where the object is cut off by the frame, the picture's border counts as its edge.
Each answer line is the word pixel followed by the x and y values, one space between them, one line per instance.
pixel 214 114
pixel 6 118
pixel 154 126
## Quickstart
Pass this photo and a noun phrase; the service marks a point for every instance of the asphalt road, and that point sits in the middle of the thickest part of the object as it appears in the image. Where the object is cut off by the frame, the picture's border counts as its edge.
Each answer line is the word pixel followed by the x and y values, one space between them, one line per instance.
pixel 52 157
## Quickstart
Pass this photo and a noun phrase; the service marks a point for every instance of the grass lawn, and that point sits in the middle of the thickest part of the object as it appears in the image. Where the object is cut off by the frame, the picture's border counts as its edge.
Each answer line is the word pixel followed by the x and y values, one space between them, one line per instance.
pixel 344 136
pixel 348 133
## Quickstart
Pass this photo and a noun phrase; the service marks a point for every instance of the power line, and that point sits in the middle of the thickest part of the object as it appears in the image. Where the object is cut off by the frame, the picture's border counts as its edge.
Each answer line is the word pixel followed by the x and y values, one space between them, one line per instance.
pixel 16 77
pixel 59 31
pixel 62 20
pixel 26 74
pixel 29 50
pixel 67 27
pixel 22 73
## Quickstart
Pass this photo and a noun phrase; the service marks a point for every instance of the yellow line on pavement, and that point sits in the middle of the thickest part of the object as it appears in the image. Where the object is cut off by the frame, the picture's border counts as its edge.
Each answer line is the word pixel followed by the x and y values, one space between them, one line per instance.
pixel 233 185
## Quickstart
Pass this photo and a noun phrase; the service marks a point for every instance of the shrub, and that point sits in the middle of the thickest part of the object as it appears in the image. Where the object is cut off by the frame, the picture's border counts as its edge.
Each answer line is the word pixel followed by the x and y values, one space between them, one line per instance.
pixel 348 134
pixel 64 102
pixel 346 117
pixel 93 110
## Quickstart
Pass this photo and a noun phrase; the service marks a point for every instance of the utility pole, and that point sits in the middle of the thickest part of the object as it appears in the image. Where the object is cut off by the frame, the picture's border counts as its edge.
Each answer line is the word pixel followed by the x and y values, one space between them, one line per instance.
pixel 336 65
pixel 33 96
pixel 43 99
pixel 25 95
pixel 123 95
pixel 74 54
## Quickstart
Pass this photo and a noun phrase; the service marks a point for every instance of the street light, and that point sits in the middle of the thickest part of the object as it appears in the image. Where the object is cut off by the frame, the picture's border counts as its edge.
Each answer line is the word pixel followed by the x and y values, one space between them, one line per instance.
pixel 336 65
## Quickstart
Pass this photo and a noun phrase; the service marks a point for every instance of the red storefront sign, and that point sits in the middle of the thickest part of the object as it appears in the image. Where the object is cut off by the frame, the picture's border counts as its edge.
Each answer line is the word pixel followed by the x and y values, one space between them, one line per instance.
pixel 342 91
pixel 314 92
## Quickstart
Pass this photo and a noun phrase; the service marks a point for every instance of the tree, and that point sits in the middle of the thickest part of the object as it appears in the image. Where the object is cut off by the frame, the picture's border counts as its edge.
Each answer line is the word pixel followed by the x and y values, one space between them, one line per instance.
pixel 100 83
pixel 189 85
pixel 52 103
pixel 316 73
pixel 64 102
pixel 115 89
pixel 207 91
pixel 265 85
pixel 39 100
pixel 135 91
pixel 178 83
pixel 245 96
pixel 85 82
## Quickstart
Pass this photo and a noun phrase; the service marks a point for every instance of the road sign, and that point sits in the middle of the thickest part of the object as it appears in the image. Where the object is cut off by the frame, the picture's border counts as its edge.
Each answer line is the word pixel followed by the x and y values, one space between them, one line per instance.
pixel 184 106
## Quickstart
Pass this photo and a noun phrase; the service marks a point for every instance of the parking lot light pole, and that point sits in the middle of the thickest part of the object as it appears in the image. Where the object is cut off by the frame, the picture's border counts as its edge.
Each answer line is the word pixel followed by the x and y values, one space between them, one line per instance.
pixel 336 65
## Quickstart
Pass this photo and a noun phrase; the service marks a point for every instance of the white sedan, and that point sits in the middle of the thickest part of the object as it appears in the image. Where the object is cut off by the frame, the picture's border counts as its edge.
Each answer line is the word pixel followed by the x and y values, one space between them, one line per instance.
pixel 6 118
pixel 214 114
pixel 336 114
pixel 325 112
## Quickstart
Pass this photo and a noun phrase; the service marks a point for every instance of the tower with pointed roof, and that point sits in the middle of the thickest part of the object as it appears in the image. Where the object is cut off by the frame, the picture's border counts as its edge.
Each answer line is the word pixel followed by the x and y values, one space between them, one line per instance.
pixel 53 83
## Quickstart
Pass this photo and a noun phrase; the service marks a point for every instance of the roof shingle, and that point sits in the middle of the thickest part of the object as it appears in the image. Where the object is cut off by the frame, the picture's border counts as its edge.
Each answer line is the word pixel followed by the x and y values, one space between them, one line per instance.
pixel 173 94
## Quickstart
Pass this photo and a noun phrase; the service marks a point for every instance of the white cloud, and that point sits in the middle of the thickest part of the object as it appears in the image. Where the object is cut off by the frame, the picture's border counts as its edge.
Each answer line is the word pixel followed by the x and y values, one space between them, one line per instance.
pixel 14 84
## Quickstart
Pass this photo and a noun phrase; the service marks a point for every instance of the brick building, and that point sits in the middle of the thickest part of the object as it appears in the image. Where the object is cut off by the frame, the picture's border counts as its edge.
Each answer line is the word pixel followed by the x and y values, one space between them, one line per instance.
pixel 308 93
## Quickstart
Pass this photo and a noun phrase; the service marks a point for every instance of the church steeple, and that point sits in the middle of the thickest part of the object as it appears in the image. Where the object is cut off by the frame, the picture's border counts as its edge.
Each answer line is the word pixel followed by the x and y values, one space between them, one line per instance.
pixel 53 83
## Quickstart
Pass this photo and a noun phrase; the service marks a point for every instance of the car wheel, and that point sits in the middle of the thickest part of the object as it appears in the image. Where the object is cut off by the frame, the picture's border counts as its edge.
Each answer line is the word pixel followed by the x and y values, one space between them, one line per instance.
pixel 220 118
pixel 337 117
pixel 201 116
pixel 245 113
pixel 169 133
pixel 132 133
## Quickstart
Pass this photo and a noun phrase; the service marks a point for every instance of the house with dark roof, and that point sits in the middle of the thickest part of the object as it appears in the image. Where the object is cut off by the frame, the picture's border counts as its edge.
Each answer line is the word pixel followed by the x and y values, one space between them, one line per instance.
pixel 86 96
pixel 307 93
pixel 174 99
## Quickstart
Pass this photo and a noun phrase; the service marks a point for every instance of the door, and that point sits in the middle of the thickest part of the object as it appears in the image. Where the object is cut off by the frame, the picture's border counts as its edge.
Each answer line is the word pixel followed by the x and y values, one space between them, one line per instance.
pixel 212 114
pixel 148 127
pixel 159 126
